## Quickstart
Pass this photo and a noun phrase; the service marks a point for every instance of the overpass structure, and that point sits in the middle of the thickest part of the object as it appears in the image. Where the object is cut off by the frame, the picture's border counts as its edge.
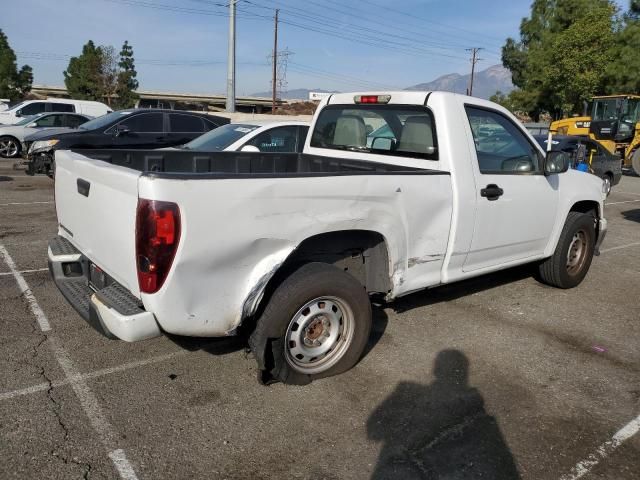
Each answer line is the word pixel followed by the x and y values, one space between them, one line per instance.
pixel 177 100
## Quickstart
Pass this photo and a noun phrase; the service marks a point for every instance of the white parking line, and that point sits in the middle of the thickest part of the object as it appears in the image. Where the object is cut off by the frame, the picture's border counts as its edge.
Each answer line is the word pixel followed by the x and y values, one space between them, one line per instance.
pixel 85 376
pixel 23 203
pixel 620 247
pixel 618 203
pixel 628 193
pixel 25 291
pixel 87 399
pixel 604 450
pixel 2 274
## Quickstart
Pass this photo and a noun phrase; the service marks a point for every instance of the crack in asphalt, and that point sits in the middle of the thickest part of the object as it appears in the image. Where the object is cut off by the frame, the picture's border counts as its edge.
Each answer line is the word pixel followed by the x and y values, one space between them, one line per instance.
pixel 54 405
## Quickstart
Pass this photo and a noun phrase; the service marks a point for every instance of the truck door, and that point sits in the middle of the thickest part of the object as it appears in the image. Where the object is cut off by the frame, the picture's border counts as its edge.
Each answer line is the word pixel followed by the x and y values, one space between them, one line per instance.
pixel 516 205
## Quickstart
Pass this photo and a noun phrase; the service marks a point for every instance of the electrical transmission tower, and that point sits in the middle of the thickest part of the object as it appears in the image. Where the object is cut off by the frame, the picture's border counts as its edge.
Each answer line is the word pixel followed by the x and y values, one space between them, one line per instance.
pixel 280 72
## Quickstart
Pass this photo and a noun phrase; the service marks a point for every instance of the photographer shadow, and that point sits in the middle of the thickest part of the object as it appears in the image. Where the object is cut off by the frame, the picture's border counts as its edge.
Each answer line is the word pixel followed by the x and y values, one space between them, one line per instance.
pixel 439 431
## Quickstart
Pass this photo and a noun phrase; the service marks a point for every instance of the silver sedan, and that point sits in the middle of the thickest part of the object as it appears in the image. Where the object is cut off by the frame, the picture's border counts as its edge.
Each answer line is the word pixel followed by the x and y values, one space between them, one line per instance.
pixel 12 136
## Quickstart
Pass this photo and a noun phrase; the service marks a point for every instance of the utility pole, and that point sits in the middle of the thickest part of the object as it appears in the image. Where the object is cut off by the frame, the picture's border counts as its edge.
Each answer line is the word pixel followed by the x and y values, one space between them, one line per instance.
pixel 231 59
pixel 474 60
pixel 275 63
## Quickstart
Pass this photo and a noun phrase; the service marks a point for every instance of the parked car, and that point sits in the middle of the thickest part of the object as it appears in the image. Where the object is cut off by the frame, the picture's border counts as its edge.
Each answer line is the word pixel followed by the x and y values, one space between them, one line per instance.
pixel 31 107
pixel 256 136
pixel 136 128
pixel 12 136
pixel 600 161
pixel 287 247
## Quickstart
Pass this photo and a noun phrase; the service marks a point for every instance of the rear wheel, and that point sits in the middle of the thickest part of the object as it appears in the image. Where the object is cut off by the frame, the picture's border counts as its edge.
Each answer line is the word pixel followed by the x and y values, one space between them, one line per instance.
pixel 9 147
pixel 573 255
pixel 316 324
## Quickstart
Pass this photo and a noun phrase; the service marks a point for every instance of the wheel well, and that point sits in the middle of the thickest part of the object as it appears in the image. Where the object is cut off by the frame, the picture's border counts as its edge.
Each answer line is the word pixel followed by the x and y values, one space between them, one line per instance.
pixel 361 253
pixel 586 206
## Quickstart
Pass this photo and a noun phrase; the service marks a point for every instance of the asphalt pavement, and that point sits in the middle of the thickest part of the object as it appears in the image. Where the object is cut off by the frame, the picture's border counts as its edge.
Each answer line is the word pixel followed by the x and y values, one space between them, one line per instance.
pixel 498 377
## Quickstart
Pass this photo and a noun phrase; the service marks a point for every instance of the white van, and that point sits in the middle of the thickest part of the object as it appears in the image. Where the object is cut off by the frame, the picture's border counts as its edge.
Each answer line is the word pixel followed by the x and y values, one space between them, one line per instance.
pixel 31 107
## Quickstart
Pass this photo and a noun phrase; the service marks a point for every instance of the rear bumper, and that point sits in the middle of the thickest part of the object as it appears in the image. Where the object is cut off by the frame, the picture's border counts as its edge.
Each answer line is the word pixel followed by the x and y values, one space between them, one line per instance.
pixel 113 310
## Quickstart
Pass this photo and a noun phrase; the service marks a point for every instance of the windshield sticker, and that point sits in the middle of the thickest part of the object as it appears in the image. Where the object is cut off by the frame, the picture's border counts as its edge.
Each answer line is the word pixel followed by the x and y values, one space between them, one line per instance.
pixel 243 129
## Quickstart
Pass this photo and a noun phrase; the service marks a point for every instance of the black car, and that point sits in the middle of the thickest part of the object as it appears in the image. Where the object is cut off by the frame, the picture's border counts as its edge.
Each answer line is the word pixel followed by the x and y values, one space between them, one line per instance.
pixel 137 128
pixel 584 150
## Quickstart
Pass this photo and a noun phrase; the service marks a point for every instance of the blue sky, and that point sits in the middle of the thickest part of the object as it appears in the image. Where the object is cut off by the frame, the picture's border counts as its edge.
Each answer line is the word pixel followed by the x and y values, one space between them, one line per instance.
pixel 181 45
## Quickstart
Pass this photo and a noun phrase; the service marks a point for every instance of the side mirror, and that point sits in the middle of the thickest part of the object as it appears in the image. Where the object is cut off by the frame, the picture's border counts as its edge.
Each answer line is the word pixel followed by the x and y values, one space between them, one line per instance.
pixel 19 113
pixel 250 148
pixel 382 143
pixel 556 162
pixel 32 125
pixel 121 130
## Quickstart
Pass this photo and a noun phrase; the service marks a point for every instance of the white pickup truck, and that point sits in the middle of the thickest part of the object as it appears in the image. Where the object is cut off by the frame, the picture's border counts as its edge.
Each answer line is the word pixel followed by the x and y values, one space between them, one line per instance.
pixel 394 192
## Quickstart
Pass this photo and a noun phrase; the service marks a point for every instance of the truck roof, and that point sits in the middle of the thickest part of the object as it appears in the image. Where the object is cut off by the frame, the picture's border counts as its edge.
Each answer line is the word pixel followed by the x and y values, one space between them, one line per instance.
pixel 407 97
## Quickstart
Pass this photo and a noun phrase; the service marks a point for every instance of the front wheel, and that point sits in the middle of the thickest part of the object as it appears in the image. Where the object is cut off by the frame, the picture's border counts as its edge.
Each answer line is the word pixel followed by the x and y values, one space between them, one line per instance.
pixel 9 147
pixel 316 324
pixel 573 255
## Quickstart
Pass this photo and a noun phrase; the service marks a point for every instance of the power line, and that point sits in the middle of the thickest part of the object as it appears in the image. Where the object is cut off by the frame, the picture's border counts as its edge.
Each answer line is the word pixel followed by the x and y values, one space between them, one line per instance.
pixel 361 16
pixel 423 19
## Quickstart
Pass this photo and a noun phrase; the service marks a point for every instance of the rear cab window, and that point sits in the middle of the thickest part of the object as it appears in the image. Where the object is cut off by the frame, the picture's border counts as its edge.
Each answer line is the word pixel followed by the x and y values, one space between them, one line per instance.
pixel 382 129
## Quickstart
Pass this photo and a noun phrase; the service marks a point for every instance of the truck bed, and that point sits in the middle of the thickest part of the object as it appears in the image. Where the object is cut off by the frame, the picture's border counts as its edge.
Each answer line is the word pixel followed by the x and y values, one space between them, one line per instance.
pixel 190 164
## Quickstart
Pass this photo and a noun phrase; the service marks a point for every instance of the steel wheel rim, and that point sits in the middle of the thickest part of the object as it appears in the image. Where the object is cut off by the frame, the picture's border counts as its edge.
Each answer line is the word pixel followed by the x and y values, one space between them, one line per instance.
pixel 319 334
pixel 577 252
pixel 8 148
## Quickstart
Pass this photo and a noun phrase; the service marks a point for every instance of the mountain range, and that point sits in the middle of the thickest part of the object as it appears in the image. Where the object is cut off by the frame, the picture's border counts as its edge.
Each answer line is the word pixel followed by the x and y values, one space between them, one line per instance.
pixel 486 83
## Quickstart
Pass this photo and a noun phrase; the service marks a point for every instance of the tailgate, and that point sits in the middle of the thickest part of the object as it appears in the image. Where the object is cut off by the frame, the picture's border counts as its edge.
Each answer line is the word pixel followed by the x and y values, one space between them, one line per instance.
pixel 96 204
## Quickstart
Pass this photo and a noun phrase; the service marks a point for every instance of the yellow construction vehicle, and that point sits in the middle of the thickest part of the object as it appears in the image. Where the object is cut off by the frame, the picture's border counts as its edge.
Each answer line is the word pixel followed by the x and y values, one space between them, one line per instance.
pixel 614 123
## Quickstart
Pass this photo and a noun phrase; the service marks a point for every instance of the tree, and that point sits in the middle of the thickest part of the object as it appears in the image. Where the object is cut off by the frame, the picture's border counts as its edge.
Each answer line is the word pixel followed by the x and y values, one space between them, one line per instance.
pixel 127 83
pixel 623 72
pixel 561 57
pixel 83 76
pixel 109 74
pixel 14 83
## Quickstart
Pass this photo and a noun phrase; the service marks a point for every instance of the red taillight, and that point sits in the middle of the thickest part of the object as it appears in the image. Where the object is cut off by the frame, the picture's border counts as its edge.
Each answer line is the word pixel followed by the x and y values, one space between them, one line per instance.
pixel 157 237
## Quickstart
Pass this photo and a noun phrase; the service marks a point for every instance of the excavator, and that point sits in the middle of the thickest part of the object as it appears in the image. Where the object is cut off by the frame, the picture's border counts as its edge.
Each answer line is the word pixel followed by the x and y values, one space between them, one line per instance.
pixel 614 123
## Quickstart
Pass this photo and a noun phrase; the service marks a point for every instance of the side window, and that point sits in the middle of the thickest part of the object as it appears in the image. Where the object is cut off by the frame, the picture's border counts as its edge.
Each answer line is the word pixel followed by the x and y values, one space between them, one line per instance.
pixel 302 136
pixel 74 121
pixel 179 122
pixel 50 121
pixel 501 146
pixel 144 123
pixel 62 107
pixel 33 108
pixel 279 139
pixel 592 151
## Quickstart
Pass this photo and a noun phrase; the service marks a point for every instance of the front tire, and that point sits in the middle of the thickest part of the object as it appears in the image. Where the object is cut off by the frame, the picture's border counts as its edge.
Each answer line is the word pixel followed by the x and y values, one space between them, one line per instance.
pixel 315 325
pixel 573 255
pixel 9 147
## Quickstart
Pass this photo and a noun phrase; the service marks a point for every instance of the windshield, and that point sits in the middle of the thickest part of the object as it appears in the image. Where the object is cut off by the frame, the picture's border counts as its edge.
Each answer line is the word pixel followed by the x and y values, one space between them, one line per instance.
pixel 398 130
pixel 16 106
pixel 631 111
pixel 104 120
pixel 28 119
pixel 220 138
pixel 606 108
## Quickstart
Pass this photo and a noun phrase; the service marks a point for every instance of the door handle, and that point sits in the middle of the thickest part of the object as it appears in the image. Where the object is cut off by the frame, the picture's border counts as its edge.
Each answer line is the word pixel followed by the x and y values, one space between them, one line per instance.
pixel 492 192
